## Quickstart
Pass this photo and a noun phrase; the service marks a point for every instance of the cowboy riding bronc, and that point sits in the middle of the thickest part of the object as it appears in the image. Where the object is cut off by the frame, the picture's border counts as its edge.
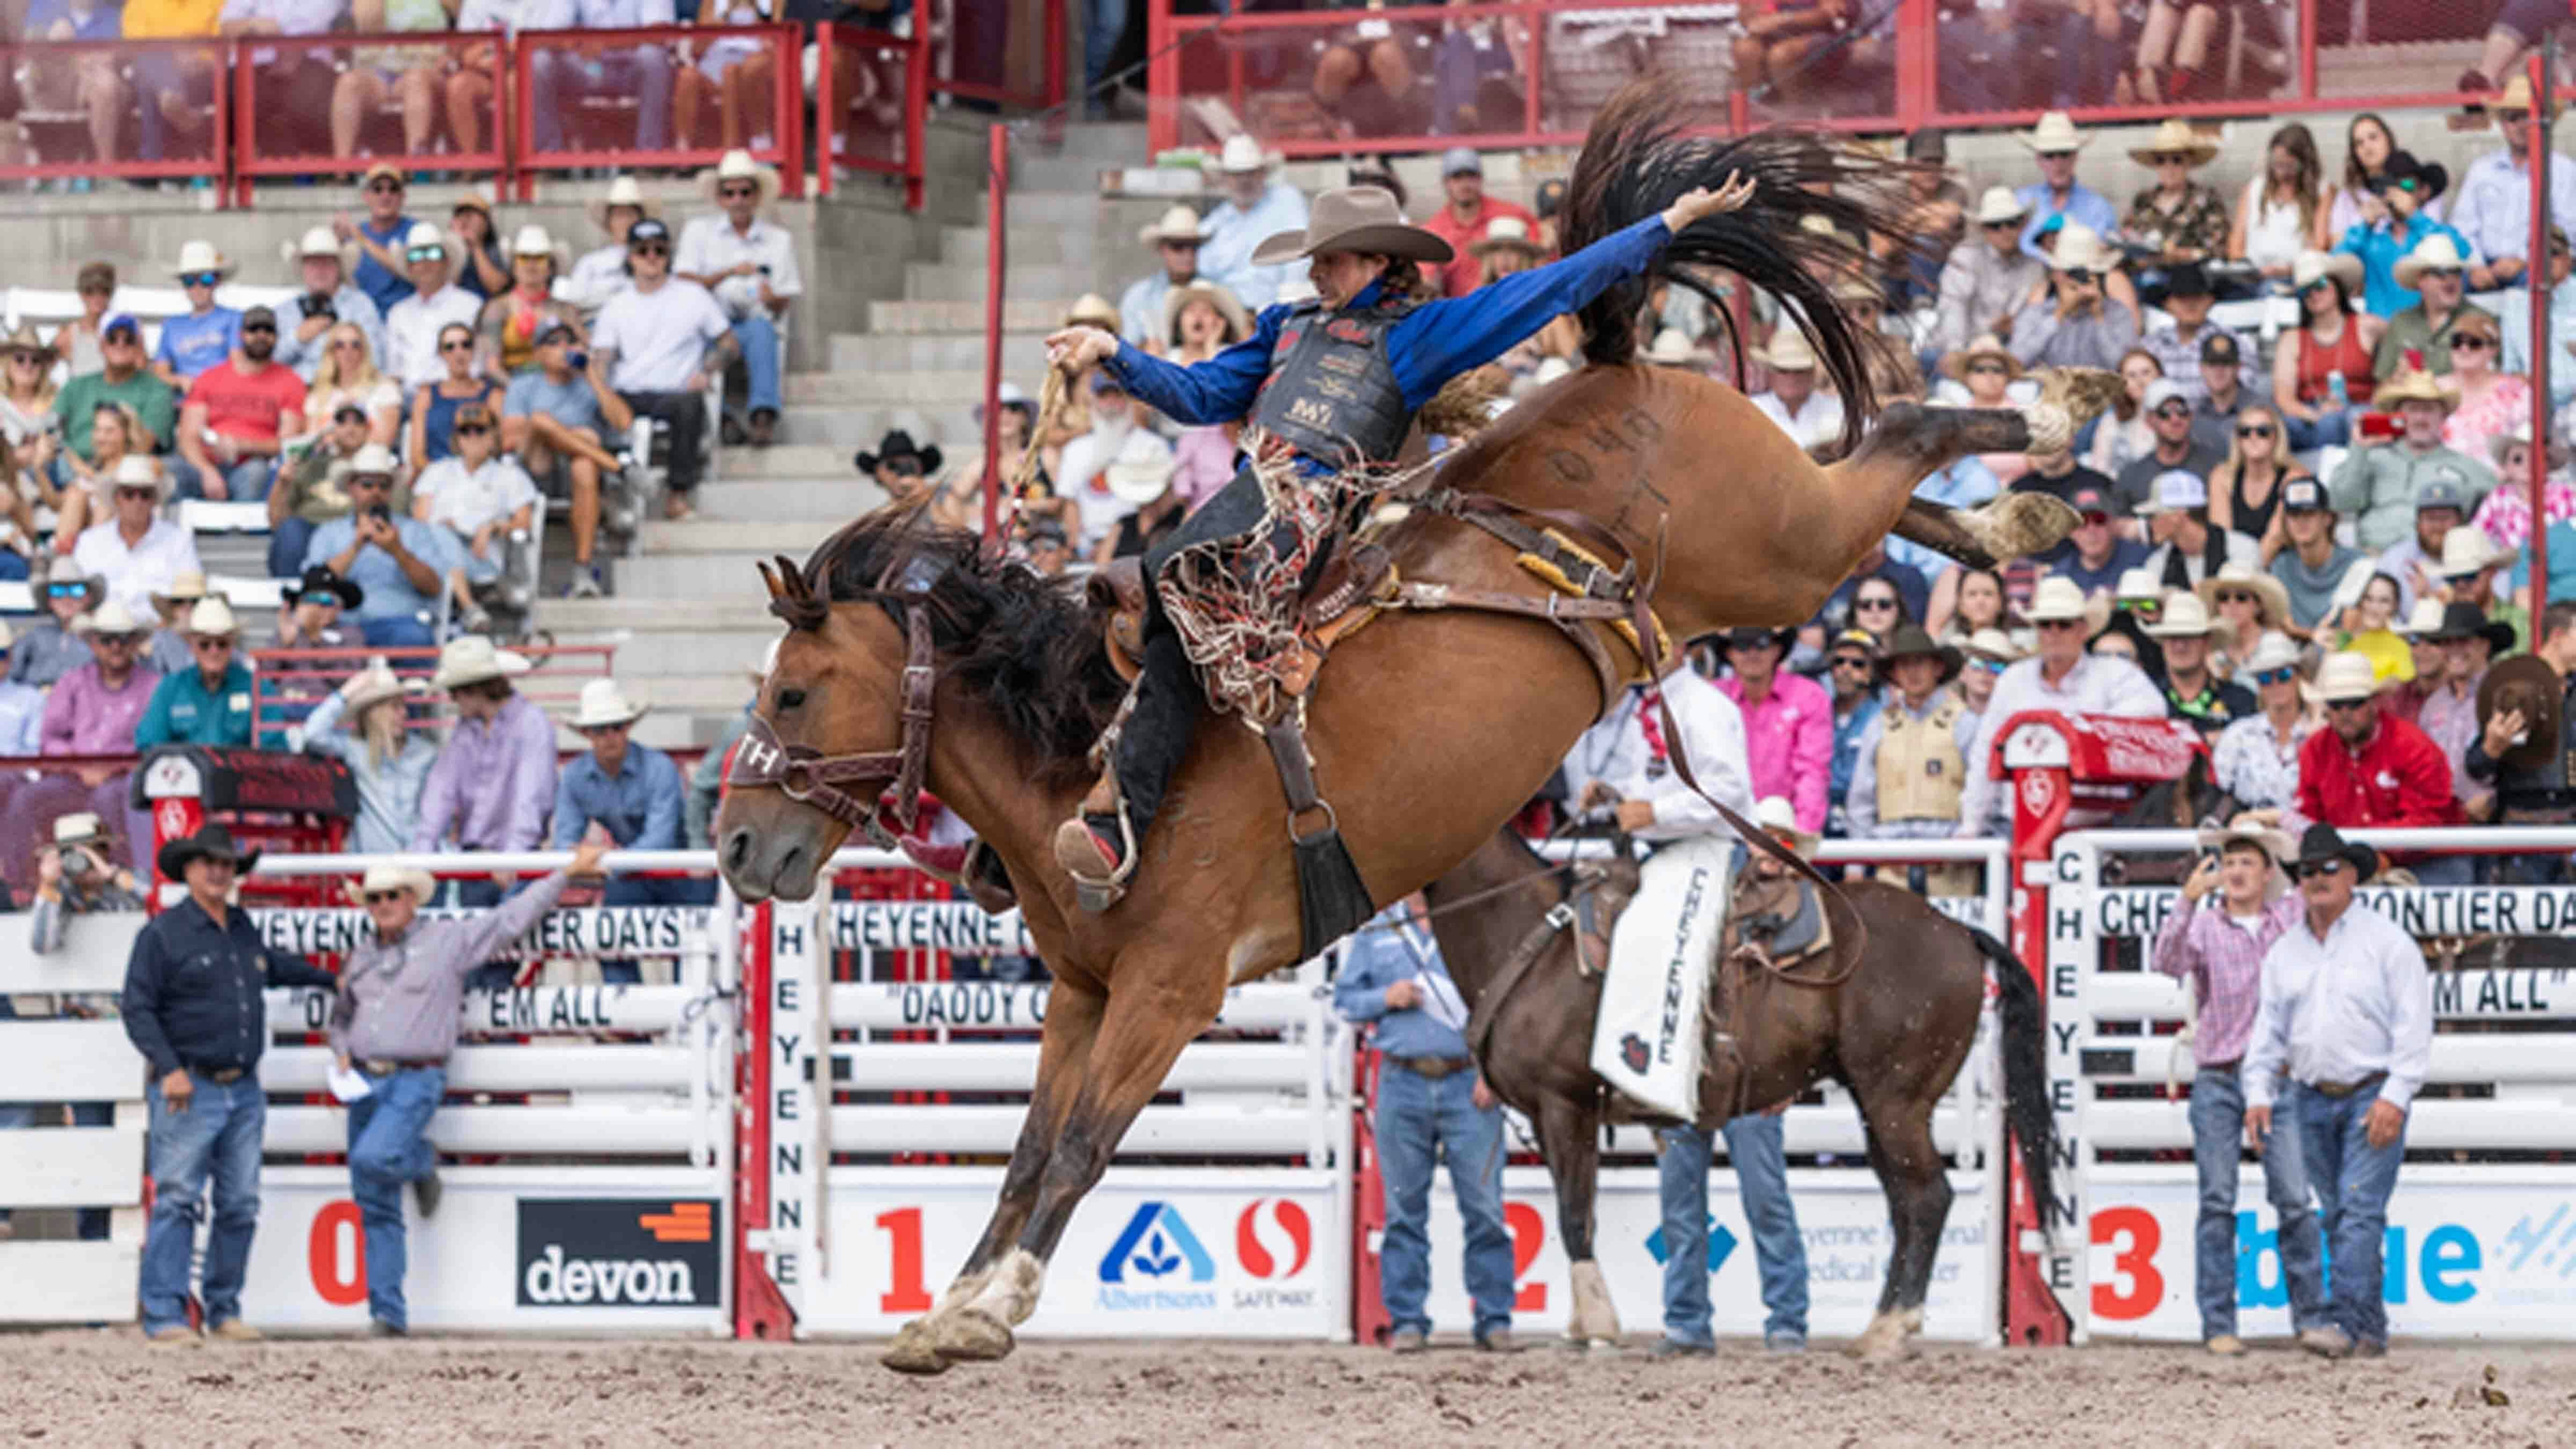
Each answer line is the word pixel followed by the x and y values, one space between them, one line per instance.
pixel 1330 387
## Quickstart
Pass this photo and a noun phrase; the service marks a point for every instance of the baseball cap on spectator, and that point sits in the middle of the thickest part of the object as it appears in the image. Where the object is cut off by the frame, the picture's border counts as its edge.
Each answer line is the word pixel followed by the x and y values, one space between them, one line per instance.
pixel 2305 495
pixel 261 315
pixel 2189 280
pixel 1861 639
pixel 556 331
pixel 2161 391
pixel 649 229
pixel 472 200
pixel 386 170
pixel 120 322
pixel 2175 489
pixel 350 409
pixel 2440 493
pixel 2089 502
pixel 2218 349
pixel 473 415
pixel 1461 161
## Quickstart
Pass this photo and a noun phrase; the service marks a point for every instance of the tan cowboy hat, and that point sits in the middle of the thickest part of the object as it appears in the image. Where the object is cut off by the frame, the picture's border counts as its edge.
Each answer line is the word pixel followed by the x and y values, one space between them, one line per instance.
pixel 187 586
pixel 2055 598
pixel 319 241
pixel 1789 351
pixel 624 191
pixel 473 658
pixel 1954 365
pixel 1505 233
pixel 1992 643
pixel 1362 219
pixel 373 686
pixel 1775 814
pixel 1140 479
pixel 2272 597
pixel 2467 551
pixel 2516 96
pixel 2055 132
pixel 390 877
pixel 2414 384
pixel 604 704
pixel 213 618
pixel 2000 205
pixel 2185 617
pixel 2346 675
pixel 532 241
pixel 1241 153
pixel 1093 308
pixel 737 165
pixel 140 470
pixel 110 618
pixel 2425 622
pixel 1180 224
pixel 2271 840
pixel 2176 137
pixel 201 256
pixel 23 338
pixel 2436 252
pixel 2079 245
pixel 2309 267
pixel 78 829
pixel 1672 349
pixel 1238 323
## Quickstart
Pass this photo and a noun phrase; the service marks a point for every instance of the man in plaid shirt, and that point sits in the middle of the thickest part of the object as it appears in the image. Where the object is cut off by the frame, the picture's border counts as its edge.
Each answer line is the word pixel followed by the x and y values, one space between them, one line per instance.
pixel 2218 948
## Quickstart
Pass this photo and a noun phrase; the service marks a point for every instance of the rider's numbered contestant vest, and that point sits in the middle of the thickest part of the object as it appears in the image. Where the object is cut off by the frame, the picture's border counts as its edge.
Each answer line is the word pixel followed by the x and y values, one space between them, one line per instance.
pixel 1332 393
pixel 1921 773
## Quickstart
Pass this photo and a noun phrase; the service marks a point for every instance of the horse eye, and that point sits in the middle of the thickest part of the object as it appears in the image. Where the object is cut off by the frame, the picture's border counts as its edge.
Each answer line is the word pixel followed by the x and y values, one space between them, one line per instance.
pixel 791 698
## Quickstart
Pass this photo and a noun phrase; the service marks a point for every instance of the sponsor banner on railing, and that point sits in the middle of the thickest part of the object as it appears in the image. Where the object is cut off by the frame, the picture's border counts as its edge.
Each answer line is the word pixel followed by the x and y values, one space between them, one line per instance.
pixel 957 927
pixel 523 1010
pixel 2427 912
pixel 2469 1253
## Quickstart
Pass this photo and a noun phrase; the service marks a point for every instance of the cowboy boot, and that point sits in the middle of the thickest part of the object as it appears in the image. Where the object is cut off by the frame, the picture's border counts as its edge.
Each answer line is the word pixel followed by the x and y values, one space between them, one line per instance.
pixel 1097 847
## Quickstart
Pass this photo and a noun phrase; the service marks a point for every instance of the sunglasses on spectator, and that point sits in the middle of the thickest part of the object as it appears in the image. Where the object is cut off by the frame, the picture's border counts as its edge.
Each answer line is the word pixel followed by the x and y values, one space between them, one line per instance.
pixel 383 184
pixel 378 898
pixel 2236 596
pixel 2056 155
pixel 138 493
pixel 735 193
pixel 2258 430
pixel 471 430
pixel 650 249
pixel 2409 185
pixel 902 467
pixel 2514 118
pixel 425 254
pixel 465 344
pixel 2080 276
pixel 201 279
pixel 2091 519
pixel 65 591
pixel 1850 661
pixel 2001 225
pixel 27 359
pixel 1990 666
pixel 592 732
pixel 250 327
pixel 98 291
pixel 2322 867
pixel 1180 246
pixel 122 337
pixel 350 344
pixel 2169 158
pixel 2051 626
pixel 2337 706
pixel 2281 675
pixel 2441 271
pixel 2471 343
pixel 217 644
pixel 2175 410
pixel 1994 368
pixel 1874 604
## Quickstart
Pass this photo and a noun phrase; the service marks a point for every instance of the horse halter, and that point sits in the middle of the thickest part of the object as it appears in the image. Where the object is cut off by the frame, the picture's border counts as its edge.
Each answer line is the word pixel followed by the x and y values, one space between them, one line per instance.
pixel 810 777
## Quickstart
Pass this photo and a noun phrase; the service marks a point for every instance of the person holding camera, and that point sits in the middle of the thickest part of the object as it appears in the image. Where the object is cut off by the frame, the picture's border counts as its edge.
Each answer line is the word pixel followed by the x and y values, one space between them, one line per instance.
pixel 305 321
pixel 556 417
pixel 2074 322
pixel 399 563
pixel 76 877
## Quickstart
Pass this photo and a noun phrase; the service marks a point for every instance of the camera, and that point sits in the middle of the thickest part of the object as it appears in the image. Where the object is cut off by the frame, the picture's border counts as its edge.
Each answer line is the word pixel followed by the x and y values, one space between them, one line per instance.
pixel 381 513
pixel 577 360
pixel 76 860
pixel 318 304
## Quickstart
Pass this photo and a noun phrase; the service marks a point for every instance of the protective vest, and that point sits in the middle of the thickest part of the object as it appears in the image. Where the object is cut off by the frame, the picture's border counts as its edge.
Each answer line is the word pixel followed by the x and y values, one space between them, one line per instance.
pixel 1920 769
pixel 1332 392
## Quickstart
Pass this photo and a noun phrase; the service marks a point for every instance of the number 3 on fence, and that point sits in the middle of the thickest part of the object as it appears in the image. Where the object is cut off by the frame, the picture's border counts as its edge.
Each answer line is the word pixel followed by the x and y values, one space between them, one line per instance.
pixel 2136 1263
pixel 909 1293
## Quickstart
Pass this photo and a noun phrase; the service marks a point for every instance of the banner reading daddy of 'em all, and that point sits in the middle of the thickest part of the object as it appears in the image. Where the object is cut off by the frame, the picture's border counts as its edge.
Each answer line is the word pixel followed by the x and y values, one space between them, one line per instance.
pixel 958 927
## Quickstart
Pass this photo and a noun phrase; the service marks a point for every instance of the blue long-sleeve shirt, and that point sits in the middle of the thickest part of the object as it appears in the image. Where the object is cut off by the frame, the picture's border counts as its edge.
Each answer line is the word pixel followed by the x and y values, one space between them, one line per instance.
pixel 1430 345
pixel 640 805
pixel 1372 961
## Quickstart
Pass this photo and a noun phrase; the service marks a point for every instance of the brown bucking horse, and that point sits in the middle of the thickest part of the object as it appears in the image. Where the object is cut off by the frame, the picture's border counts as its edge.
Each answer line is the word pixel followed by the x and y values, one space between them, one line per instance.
pixel 1893 1027
pixel 1426 730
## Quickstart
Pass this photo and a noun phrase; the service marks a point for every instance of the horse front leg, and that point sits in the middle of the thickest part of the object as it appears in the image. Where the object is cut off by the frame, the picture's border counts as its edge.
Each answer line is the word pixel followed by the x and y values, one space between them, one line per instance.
pixel 1569 1131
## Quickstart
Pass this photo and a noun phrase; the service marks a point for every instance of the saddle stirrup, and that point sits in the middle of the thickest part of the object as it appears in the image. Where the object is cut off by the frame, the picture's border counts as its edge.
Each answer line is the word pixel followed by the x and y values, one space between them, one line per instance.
pixel 1099 877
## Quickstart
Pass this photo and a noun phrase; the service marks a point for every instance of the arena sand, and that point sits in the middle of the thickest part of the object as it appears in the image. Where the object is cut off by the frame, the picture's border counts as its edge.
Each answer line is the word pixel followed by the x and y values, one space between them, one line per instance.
pixel 110 1388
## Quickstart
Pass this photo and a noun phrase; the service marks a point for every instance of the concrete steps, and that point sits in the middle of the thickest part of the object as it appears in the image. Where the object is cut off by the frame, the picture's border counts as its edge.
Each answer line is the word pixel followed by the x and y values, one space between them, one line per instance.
pixel 858 354
pixel 1020 313
pixel 774 501
pixel 946 282
pixel 576 619
pixel 846 427
pixel 758 537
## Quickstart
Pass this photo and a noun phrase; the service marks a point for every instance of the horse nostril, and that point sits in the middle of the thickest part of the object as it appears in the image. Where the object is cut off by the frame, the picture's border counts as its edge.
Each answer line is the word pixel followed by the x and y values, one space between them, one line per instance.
pixel 737 849
pixel 789 863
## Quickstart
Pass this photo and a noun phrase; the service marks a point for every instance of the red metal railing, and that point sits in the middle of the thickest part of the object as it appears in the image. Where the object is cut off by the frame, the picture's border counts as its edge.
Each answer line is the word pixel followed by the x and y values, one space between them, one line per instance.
pixel 492 156
pixel 866 64
pixel 215 163
pixel 555 51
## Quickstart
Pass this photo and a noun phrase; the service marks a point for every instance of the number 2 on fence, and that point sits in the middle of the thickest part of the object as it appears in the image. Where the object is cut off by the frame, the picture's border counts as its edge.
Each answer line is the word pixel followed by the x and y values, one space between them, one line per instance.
pixel 909 1293
pixel 1529 1234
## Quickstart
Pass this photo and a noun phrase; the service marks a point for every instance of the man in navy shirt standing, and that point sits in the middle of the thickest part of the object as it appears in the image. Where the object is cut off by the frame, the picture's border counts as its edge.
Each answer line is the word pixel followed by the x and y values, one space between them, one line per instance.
pixel 1430 1099
pixel 193 1008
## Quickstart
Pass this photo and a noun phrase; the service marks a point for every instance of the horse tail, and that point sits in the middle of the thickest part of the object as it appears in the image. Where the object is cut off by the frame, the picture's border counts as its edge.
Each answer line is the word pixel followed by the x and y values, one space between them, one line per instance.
pixel 1636 161
pixel 2025 1048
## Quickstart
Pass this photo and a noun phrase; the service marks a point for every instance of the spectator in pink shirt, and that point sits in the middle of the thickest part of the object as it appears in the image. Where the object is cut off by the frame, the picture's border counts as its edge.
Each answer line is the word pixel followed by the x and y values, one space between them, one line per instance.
pixel 1788 723
pixel 94 709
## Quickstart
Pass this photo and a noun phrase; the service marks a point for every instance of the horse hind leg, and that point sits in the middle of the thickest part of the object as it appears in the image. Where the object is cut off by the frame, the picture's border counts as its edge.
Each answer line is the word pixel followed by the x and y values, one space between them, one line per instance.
pixel 1910 442
pixel 1917 1184
pixel 1568 1135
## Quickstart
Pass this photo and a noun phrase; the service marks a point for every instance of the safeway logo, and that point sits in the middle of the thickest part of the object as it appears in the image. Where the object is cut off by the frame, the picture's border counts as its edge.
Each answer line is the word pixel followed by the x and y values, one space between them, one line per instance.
pixel 1287 1231
pixel 1155 1244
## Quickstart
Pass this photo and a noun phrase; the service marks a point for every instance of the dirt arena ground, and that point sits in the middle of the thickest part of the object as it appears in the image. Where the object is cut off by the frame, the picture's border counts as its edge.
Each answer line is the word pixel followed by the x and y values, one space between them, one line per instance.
pixel 109 1388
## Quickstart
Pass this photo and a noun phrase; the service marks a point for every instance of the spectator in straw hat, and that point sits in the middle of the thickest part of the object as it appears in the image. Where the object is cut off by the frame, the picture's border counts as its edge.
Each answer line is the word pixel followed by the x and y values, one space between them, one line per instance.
pixel 206 334
pixel 2256 758
pixel 2346 1017
pixel 1255 208
pixel 97 707
pixel 2334 339
pixel 2369 770
pixel 2061 676
pixel 1175 238
pixel 312 492
pixel 2235 904
pixel 2493 208
pixel 2054 142
pixel 1466 216
pixel 1986 654
pixel 2195 692
pixel 362 725
pixel 2378 482
pixel 1811 418
pixel 749 265
pixel 170 608
pixel 2395 223
pixel 134 550
pixel 513 316
pixel 624 794
pixel 2185 221
pixel 209 703
pixel 2463 643
pixel 414 325
pixel 2419 335
pixel 329 297
pixel 1987 276
pixel 1143 485
pixel 2469 575
pixel 2074 323
pixel 394 1019
pixel 601 273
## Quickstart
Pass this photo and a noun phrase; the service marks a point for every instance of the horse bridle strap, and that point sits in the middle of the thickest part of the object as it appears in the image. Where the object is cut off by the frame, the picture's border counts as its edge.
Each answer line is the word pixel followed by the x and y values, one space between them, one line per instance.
pixel 810 777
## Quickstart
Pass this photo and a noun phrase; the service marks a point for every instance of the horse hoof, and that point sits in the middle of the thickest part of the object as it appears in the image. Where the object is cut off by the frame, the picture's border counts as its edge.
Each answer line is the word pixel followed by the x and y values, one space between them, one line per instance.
pixel 972 1333
pixel 2018 525
pixel 1884 1339
pixel 912 1351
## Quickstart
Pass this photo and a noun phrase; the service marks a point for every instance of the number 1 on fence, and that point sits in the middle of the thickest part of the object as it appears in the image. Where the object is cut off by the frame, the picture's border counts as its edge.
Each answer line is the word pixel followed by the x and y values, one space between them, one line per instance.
pixel 909 1293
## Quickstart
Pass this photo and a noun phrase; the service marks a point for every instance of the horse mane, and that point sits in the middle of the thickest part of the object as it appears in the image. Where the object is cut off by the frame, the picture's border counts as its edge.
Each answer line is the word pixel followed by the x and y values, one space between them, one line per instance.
pixel 1025 646
pixel 1636 161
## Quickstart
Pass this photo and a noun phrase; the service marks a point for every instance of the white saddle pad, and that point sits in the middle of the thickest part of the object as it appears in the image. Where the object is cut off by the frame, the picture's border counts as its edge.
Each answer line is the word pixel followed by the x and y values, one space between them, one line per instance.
pixel 1646 1041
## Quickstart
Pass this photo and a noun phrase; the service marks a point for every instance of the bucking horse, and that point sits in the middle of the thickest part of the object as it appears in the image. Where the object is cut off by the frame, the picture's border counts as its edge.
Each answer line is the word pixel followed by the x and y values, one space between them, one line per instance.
pixel 916 657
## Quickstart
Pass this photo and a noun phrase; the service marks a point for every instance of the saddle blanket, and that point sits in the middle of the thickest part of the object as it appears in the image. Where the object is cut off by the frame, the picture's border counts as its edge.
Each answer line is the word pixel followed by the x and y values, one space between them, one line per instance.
pixel 1647 1039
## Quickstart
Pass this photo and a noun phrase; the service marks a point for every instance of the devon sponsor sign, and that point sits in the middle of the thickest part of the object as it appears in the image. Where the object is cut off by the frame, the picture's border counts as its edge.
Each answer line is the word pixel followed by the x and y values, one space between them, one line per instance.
pixel 612 1253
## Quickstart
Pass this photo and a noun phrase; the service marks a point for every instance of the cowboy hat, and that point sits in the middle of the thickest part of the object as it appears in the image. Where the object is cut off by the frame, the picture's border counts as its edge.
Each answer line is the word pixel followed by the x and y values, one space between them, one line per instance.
pixel 201 256
pixel 1093 308
pixel 1789 351
pixel 2142 586
pixel 2080 248
pixel 187 586
pixel 2467 551
pixel 603 705
pixel 532 241
pixel 1910 641
pixel 1672 349
pixel 621 192
pixel 373 458
pixel 2536 690
pixel 2462 620
pixel 2324 843
pixel 2423 622
pixel 422 237
pixel 2311 267
pixel 78 828
pixel 2273 651
pixel 140 470
pixel 1358 219
pixel 213 619
pixel 320 580
pixel 1992 643
pixel 1242 154
pixel 1954 365
pixel 2434 253
pixel 737 165
pixel 2055 132
pixel 899 444
pixel 2414 384
pixel 2430 179
pixel 472 198
pixel 2185 617
pixel 2516 96
pixel 2176 136
pixel 1238 323
pixel 387 876
pixel 319 241
pixel 111 620
pixel 1506 233
pixel 2055 598
pixel 2346 676
pixel 374 685
pixel 2000 205
pixel 23 338
pixel 1776 815
pixel 2271 840
pixel 1180 224
pixel 1139 476
pixel 473 658
pixel 1751 638
pixel 211 842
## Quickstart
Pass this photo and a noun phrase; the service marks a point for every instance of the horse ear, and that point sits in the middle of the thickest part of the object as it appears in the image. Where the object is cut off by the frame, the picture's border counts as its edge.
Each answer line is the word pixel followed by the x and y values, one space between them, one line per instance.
pixel 769 580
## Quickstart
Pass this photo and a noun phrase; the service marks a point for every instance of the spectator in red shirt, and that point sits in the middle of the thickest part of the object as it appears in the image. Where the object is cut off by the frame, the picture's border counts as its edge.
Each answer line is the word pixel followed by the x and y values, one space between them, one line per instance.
pixel 250 404
pixel 2373 771
pixel 1463 221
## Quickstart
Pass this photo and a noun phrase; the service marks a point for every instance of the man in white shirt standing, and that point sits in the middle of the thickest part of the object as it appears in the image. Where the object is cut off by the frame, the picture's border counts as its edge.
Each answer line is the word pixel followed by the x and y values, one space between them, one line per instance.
pixel 2347 1016
pixel 2061 676
pixel 412 327
pixel 1810 417
pixel 661 344
pixel 135 550
pixel 749 266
